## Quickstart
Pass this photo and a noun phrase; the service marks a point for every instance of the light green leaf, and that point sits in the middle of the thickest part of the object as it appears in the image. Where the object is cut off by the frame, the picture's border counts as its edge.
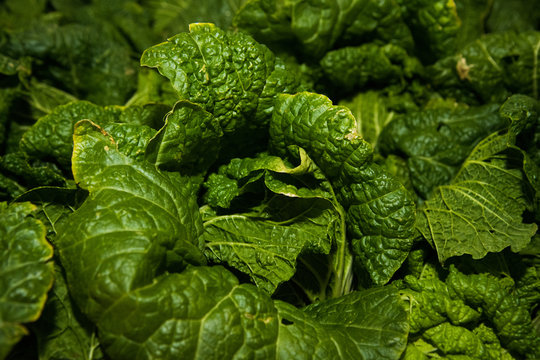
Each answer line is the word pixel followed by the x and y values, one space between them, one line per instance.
pixel 371 114
pixel 481 210
pixel 267 249
pixel 370 324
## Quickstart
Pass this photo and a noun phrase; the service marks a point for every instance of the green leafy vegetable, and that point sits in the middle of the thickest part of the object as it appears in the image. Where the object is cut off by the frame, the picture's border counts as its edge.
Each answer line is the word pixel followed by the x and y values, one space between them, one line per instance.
pixel 278 179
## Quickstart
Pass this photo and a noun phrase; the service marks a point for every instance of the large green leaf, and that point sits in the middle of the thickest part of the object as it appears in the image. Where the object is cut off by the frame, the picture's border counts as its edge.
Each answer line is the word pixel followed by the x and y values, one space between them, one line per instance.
pixel 342 330
pixel 240 322
pixel 229 74
pixel 26 271
pixel 267 249
pixel 481 210
pixel 134 218
pixel 380 211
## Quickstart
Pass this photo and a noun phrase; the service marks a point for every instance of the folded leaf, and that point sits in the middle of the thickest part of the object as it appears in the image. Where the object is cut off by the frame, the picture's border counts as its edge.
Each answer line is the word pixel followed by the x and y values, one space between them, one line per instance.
pixel 52 135
pixel 134 217
pixel 189 141
pixel 380 211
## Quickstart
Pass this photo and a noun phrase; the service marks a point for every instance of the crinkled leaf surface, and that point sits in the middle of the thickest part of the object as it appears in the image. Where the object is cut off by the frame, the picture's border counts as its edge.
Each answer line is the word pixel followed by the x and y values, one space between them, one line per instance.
pixel 26 271
pixel 481 210
pixel 380 211
pixel 228 73
pixel 491 68
pixel 434 26
pixel 358 67
pixel 511 319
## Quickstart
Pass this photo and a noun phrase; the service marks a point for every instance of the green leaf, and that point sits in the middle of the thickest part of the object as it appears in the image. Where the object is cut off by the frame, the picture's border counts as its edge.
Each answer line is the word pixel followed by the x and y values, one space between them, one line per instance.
pixel 371 113
pixel 481 210
pixel 369 65
pixel 52 135
pixel 189 141
pixel 79 65
pixel 202 313
pixel 456 340
pixel 134 217
pixel 339 327
pixel 491 68
pixel 267 249
pixel 511 319
pixel 435 142
pixel 517 15
pixel 229 74
pixel 26 272
pixel 431 304
pixel 172 16
pixel 330 136
pixel 434 26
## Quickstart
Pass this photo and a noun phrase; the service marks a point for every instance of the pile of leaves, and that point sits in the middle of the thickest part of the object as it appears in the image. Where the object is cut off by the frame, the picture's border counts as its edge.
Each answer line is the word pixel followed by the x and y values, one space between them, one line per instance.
pixel 259 179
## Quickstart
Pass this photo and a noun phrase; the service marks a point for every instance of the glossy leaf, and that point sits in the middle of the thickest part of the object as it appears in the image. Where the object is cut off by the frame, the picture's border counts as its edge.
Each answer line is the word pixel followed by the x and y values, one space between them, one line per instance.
pixel 330 136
